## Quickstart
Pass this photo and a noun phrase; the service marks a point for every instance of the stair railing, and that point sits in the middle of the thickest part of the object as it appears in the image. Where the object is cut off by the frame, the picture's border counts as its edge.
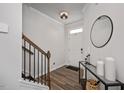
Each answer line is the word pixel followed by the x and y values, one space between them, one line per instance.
pixel 35 62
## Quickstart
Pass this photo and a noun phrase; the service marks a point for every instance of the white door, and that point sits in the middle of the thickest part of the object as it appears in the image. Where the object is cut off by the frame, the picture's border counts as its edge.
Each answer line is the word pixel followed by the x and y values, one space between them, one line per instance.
pixel 75 51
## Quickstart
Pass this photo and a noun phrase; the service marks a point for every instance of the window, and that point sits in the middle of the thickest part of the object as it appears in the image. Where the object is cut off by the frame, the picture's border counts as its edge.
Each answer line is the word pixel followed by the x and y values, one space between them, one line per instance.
pixel 76 31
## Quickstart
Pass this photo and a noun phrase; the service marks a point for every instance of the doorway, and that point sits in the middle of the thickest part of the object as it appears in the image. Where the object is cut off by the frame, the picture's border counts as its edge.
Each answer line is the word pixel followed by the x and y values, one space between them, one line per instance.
pixel 75 50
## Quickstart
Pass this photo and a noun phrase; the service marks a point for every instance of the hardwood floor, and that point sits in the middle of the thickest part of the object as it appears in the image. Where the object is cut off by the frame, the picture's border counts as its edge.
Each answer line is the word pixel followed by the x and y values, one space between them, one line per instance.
pixel 65 79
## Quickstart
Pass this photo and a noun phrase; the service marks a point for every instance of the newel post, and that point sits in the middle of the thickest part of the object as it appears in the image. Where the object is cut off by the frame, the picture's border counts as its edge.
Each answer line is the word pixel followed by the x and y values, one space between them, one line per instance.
pixel 49 81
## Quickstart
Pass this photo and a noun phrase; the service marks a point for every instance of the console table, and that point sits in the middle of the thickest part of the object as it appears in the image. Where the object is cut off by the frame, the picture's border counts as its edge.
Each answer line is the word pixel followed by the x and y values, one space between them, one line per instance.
pixel 92 69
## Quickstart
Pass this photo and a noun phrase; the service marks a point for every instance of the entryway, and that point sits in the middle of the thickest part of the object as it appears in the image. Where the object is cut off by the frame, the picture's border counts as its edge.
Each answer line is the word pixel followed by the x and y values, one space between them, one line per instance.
pixel 75 50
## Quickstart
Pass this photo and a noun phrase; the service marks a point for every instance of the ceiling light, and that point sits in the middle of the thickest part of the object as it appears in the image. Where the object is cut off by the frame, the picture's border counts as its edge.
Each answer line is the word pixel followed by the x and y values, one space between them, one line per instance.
pixel 64 15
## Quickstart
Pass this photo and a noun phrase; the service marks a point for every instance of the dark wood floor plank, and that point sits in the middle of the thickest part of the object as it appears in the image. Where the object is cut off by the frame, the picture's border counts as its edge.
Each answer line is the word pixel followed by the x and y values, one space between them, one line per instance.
pixel 65 79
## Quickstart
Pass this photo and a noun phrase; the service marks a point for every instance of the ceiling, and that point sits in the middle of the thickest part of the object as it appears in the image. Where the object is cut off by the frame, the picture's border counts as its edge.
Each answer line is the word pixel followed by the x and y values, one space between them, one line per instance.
pixel 53 9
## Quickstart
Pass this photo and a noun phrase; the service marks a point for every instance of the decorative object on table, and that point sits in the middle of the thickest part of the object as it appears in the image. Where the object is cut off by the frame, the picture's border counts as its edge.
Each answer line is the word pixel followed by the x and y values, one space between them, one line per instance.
pixel 81 50
pixel 101 31
pixel 100 67
pixel 92 85
pixel 110 69
pixel 87 59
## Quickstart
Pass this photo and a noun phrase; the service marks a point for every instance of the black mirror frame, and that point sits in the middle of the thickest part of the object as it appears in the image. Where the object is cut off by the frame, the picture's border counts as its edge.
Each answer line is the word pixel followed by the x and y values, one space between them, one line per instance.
pixel 109 36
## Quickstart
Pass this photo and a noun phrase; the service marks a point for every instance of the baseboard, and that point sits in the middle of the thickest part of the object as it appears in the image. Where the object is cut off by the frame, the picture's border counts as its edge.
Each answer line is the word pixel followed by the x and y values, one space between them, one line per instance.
pixel 57 67
pixel 26 85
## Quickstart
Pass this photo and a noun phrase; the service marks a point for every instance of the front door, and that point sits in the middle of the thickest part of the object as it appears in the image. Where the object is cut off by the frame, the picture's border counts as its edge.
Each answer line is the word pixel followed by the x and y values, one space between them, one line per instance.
pixel 75 49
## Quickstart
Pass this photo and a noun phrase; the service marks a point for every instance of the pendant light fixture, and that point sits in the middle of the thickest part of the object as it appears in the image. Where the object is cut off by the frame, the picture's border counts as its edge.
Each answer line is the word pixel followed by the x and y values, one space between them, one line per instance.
pixel 64 15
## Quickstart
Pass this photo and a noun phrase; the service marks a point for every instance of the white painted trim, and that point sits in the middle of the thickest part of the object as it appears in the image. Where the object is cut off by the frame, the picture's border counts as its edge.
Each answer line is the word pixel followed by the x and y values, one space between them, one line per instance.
pixel 31 85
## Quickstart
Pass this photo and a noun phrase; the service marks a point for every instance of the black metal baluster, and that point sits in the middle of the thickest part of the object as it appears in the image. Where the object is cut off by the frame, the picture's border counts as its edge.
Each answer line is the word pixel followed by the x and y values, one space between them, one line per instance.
pixel 41 68
pixel 22 58
pixel 45 69
pixel 29 62
pixel 34 64
pixel 38 66
pixel 24 75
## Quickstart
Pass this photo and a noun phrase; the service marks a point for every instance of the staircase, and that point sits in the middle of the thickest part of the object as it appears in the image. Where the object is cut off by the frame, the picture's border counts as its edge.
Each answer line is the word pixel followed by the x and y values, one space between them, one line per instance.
pixel 35 63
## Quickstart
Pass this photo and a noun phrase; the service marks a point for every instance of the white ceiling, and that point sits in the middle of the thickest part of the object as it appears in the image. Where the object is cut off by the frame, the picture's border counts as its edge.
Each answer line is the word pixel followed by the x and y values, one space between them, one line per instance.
pixel 53 10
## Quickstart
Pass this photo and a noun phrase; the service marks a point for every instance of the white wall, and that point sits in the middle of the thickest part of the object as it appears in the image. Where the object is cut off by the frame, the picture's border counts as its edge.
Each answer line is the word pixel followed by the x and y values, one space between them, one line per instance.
pixel 116 45
pixel 47 33
pixel 10 46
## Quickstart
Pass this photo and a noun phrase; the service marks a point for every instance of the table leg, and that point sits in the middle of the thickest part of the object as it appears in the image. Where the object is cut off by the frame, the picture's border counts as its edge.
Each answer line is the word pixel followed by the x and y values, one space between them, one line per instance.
pixel 85 79
pixel 79 72
pixel 106 87
pixel 85 73
pixel 122 87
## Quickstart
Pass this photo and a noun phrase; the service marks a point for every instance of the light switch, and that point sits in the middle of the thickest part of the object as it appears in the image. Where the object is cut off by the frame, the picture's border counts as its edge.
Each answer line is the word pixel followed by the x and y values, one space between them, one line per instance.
pixel 3 28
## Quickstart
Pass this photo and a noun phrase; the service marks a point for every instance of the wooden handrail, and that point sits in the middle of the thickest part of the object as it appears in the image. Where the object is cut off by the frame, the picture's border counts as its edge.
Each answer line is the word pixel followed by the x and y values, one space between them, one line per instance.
pixel 33 44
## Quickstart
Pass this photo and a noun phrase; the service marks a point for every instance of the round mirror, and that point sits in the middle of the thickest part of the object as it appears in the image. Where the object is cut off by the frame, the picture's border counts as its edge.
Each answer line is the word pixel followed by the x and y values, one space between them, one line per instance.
pixel 101 31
